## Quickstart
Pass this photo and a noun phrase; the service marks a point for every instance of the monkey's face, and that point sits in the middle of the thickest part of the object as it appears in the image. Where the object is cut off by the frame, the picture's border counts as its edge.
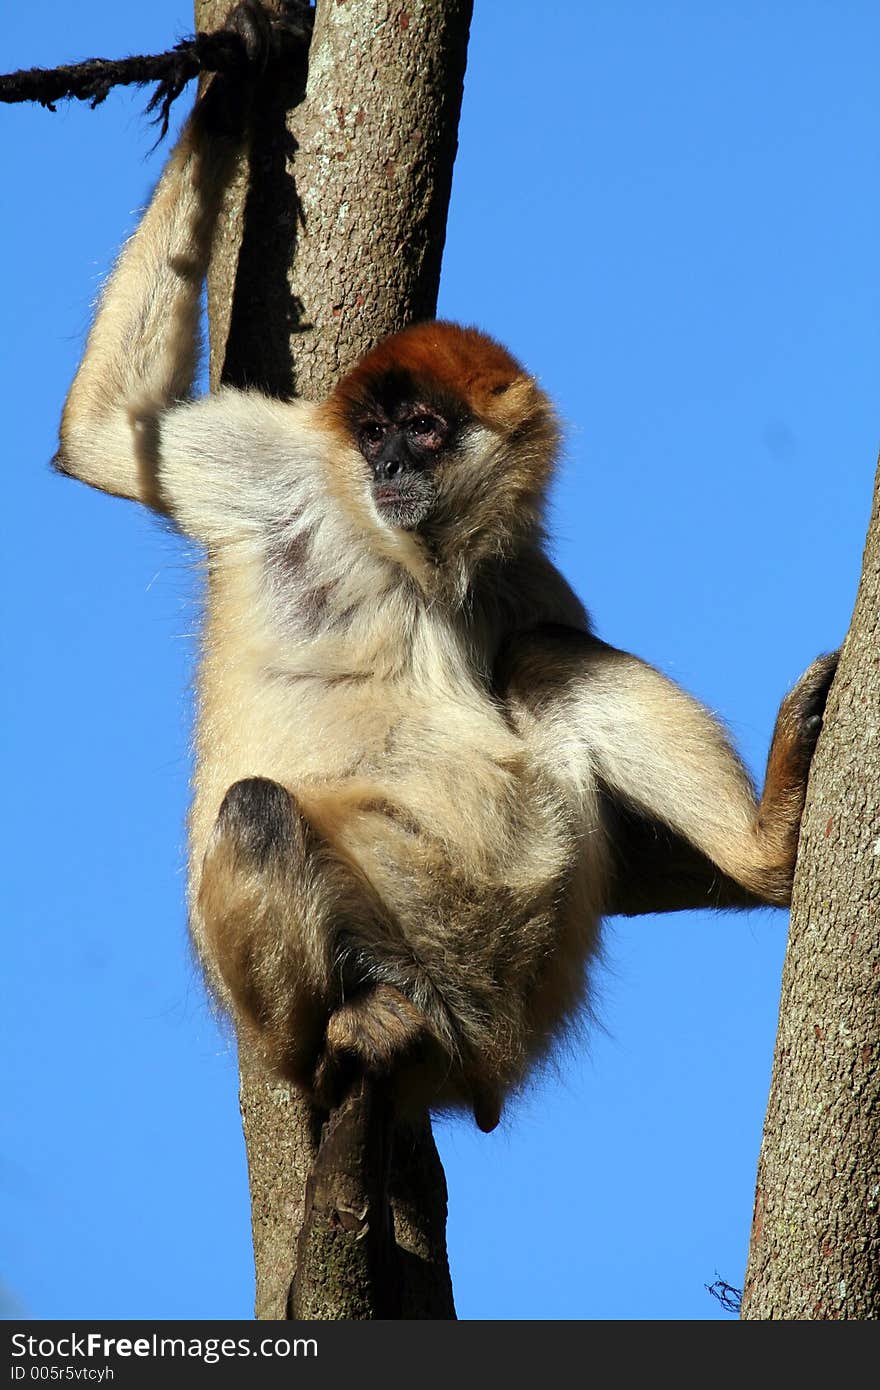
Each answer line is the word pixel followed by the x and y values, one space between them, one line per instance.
pixel 456 441
pixel 403 438
pixel 407 429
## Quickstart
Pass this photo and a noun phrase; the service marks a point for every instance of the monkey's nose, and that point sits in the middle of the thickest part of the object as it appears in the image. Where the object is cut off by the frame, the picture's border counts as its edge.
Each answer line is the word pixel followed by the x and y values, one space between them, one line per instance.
pixel 389 468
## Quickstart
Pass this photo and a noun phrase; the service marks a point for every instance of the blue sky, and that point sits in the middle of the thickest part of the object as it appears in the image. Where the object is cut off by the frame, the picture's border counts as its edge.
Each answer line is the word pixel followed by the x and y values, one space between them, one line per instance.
pixel 669 211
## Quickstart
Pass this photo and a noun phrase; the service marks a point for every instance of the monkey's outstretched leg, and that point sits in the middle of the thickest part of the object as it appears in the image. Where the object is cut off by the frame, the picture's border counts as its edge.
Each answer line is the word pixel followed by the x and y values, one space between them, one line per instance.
pixel 662 760
pixel 659 871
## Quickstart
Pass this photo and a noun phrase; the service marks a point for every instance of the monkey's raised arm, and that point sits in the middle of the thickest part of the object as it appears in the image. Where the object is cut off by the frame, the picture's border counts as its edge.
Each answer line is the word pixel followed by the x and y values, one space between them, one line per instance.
pixel 221 466
pixel 141 353
pixel 685 826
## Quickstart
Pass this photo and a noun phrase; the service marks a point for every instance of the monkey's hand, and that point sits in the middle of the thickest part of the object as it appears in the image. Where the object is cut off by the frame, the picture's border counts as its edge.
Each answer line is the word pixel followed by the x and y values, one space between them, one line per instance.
pixel 258 38
pixel 253 26
pixel 266 35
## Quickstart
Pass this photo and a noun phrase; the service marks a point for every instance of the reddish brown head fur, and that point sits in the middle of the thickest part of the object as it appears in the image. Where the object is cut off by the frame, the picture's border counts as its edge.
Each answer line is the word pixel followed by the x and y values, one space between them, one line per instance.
pixel 465 363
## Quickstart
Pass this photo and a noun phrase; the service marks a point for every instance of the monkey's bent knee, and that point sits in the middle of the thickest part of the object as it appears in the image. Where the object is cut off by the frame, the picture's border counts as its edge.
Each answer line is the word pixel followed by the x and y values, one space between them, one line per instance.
pixel 261 821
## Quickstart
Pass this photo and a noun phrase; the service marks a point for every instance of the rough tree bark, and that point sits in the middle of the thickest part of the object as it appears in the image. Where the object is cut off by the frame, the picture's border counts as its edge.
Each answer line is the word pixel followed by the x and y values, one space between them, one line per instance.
pixel 815 1249
pixel 337 242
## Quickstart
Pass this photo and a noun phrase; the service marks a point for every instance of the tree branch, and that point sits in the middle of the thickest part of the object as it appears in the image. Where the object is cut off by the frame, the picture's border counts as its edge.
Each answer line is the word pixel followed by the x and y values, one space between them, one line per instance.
pixel 346 1257
pixel 815 1247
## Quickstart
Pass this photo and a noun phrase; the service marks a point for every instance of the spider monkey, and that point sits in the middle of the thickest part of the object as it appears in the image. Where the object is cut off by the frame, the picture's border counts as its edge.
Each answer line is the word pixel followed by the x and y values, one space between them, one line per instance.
pixel 421 779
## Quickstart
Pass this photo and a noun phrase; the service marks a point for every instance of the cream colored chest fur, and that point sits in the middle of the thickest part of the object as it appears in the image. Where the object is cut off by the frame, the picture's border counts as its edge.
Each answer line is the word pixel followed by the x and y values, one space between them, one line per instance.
pixel 379 725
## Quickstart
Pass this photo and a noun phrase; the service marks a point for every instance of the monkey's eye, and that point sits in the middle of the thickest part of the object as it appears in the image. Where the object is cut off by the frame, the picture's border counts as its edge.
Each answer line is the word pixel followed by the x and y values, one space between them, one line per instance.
pixel 372 432
pixel 422 426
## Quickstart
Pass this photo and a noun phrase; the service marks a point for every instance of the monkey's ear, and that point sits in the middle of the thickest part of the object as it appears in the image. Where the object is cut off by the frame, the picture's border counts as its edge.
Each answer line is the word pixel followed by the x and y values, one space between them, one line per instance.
pixel 516 403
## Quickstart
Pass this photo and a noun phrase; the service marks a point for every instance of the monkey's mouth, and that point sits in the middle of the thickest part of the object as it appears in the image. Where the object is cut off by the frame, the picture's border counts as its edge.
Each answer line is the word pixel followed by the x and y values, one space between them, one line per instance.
pixel 405 502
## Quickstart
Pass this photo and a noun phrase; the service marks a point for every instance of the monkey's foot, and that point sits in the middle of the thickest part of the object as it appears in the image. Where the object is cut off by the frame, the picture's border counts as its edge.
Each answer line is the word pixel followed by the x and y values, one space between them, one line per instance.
pixel 802 710
pixel 374 1034
pixel 798 726
pixel 812 690
pixel 370 1033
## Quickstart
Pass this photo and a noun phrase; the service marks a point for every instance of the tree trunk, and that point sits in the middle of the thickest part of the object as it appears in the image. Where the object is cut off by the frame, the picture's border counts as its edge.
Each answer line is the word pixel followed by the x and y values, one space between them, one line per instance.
pixel 354 180
pixel 815 1249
